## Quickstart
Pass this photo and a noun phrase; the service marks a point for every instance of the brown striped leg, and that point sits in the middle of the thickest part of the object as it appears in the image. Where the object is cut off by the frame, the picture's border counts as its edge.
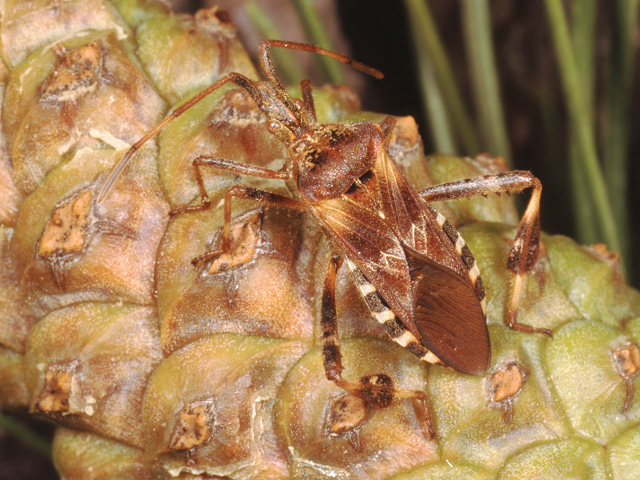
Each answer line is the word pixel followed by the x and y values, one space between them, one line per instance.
pixel 242 191
pixel 526 243
pixel 331 356
pixel 377 391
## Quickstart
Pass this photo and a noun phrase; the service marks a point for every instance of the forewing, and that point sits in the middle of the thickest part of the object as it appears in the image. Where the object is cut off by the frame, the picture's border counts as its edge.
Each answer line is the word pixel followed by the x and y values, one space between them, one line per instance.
pixel 447 310
pixel 413 220
pixel 448 316
pixel 369 242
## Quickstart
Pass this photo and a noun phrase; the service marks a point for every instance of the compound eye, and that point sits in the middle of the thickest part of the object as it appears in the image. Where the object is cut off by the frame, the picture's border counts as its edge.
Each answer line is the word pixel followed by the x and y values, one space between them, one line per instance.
pixel 273 126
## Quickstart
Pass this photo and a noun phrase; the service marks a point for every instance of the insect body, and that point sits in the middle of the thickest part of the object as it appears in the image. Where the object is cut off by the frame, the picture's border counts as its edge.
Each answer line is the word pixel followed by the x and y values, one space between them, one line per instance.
pixel 397 246
pixel 416 273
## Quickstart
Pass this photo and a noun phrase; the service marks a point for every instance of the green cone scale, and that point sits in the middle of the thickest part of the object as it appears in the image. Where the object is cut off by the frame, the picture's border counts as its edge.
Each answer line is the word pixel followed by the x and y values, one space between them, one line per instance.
pixel 152 368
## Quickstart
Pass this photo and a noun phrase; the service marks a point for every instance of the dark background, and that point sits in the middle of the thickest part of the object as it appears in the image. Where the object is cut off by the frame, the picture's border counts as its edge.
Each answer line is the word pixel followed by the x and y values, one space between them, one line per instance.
pixel 377 33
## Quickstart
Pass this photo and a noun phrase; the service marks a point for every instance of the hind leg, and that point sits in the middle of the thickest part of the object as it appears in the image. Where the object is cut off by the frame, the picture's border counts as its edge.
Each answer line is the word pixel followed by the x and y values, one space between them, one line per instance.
pixel 525 246
pixel 370 391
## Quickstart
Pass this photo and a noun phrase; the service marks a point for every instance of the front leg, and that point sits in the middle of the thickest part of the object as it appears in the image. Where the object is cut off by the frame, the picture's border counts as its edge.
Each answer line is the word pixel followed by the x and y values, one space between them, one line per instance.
pixel 526 243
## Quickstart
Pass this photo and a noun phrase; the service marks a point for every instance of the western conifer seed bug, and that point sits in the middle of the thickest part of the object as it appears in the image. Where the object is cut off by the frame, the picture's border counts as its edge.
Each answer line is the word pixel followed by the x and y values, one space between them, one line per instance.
pixel 413 268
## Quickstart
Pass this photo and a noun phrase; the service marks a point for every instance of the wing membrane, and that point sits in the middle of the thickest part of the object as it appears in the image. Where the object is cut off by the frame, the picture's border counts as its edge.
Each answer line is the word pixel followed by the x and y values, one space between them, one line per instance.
pixel 448 316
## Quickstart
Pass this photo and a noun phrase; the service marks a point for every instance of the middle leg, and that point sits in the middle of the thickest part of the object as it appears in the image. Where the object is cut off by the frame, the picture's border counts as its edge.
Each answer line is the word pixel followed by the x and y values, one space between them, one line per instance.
pixel 241 191
pixel 526 243
pixel 230 166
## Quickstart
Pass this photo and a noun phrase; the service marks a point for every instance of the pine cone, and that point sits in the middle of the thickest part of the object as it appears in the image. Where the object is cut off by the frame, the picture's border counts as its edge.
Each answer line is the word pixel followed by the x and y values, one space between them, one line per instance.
pixel 152 368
